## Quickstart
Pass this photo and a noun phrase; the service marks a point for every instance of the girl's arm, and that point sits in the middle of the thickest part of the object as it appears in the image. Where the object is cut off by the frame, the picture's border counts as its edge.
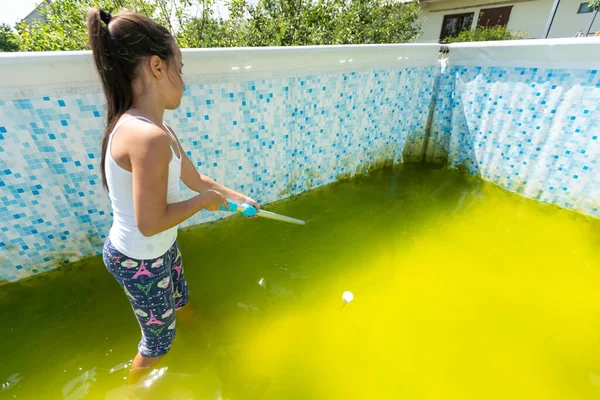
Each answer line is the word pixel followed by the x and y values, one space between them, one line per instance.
pixel 150 158
pixel 201 183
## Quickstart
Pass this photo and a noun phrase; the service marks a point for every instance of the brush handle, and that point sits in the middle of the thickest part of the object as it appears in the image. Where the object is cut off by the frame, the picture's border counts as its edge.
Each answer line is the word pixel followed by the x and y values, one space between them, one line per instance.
pixel 249 211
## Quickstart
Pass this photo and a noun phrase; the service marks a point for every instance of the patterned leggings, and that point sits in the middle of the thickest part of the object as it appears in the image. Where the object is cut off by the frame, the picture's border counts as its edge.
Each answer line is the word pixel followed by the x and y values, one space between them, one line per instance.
pixel 156 289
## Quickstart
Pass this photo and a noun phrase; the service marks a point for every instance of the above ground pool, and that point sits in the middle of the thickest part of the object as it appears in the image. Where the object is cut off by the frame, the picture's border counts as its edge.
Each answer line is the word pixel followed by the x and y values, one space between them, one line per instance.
pixel 451 247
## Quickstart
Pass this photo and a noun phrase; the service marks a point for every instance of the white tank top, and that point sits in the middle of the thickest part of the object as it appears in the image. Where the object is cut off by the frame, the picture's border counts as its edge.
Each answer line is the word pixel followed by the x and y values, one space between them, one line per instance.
pixel 124 233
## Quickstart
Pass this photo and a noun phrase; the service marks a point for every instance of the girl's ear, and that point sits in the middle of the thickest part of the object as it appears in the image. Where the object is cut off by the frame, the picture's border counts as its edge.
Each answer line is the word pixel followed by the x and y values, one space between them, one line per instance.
pixel 157 66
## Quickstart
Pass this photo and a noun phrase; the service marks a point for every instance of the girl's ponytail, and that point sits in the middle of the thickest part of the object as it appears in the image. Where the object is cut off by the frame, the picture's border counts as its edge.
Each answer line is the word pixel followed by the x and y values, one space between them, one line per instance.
pixel 119 43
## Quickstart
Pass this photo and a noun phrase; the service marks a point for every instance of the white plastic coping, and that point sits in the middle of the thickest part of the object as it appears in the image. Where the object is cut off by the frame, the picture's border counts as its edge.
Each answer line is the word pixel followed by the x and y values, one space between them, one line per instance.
pixel 27 75
pixel 19 70
pixel 576 53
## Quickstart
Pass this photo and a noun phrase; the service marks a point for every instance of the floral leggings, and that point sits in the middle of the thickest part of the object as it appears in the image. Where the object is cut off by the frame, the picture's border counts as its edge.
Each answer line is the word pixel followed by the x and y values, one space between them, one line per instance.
pixel 155 288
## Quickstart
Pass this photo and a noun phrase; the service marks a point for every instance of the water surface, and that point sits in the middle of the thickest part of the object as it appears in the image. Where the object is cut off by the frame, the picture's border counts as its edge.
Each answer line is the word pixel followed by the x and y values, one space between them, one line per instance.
pixel 462 291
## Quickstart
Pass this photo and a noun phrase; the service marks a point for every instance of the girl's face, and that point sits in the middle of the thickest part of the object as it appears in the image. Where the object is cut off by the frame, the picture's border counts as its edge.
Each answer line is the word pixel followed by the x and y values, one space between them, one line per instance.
pixel 164 79
pixel 172 87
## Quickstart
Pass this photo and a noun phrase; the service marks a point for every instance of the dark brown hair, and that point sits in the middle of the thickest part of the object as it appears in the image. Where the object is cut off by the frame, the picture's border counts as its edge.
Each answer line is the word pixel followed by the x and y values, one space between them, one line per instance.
pixel 119 43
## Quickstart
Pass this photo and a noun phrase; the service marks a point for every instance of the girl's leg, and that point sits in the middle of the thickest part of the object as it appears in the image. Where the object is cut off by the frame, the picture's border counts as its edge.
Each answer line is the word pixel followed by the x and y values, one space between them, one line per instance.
pixel 141 365
pixel 149 288
pixel 185 311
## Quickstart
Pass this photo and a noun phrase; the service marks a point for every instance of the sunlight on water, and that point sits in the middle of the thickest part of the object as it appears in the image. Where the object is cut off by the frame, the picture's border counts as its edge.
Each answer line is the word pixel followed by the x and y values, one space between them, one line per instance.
pixel 460 291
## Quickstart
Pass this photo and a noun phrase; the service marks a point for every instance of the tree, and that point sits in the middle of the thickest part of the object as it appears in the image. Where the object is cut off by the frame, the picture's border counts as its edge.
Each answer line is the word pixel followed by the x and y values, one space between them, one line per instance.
pixel 306 22
pixel 482 34
pixel 8 40
pixel 64 24
pixel 262 23
pixel 594 5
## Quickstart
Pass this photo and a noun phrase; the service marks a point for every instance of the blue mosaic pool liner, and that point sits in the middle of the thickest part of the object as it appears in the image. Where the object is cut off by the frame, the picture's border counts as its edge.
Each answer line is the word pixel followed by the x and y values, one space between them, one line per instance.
pixel 269 138
pixel 532 131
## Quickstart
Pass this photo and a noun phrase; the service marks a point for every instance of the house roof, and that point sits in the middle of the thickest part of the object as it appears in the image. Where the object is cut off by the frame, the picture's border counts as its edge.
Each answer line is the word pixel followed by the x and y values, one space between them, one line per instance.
pixel 37 9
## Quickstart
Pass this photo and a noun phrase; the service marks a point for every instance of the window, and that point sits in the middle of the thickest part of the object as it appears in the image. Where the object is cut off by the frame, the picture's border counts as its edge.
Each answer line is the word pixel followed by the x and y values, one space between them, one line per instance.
pixel 584 8
pixel 454 24
pixel 491 17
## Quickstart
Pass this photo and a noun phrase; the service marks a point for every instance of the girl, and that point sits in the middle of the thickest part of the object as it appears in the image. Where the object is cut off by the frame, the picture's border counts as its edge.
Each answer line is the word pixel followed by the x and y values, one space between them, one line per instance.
pixel 142 161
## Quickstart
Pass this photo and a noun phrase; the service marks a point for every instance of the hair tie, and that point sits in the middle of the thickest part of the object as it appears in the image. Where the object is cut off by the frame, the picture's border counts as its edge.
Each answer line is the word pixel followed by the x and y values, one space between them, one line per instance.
pixel 105 16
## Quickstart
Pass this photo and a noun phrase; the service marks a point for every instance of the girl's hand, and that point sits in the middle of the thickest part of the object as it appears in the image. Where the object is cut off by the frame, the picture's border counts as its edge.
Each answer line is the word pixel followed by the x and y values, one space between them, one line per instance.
pixel 252 202
pixel 213 200
pixel 241 199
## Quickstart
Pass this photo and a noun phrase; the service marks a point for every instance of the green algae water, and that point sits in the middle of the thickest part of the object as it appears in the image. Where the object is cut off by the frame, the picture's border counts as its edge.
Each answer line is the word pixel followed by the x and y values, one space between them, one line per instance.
pixel 462 291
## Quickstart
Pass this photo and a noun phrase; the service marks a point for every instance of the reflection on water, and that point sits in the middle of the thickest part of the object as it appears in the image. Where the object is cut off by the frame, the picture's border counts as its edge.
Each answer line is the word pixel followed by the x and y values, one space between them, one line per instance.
pixel 463 291
pixel 79 387
pixel 120 367
pixel 11 381
pixel 280 291
pixel 248 307
pixel 164 384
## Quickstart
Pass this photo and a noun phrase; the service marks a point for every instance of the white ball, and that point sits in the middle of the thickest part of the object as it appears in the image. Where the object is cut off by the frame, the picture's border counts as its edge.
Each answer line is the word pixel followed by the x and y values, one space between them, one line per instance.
pixel 347 296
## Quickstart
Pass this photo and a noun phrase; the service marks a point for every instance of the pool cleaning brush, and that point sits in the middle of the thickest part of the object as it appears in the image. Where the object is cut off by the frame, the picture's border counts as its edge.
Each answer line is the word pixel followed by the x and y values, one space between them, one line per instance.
pixel 249 211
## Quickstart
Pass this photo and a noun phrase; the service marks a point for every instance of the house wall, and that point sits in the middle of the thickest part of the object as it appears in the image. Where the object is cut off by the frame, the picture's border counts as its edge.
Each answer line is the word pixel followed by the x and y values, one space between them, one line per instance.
pixel 567 22
pixel 528 16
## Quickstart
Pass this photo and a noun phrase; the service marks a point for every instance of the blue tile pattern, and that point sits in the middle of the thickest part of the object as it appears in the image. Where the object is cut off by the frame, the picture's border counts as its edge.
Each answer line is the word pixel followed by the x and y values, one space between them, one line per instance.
pixel 269 138
pixel 532 131
pixel 52 210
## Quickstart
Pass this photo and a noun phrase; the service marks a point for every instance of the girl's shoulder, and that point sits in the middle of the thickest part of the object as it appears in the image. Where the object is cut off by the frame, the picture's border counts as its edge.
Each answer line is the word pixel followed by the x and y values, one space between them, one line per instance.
pixel 139 127
pixel 140 135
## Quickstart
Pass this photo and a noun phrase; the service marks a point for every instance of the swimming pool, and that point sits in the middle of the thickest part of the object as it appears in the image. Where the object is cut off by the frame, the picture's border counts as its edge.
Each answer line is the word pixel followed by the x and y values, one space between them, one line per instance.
pixel 462 289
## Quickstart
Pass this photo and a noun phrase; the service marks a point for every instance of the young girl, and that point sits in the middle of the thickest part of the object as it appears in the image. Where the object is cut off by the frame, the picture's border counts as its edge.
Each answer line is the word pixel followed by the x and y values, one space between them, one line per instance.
pixel 142 162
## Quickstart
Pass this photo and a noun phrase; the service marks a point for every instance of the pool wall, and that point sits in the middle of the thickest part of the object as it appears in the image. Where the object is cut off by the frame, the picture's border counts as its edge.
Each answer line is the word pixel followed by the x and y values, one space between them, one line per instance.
pixel 524 115
pixel 271 123
pixel 276 122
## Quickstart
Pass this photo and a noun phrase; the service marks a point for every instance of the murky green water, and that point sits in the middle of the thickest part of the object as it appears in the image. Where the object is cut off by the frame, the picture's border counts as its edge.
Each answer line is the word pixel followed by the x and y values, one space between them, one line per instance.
pixel 462 291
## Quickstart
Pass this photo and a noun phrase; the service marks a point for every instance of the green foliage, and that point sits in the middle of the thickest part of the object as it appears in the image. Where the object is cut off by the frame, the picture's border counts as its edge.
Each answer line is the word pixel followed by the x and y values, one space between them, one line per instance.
pixel 305 22
pixel 262 23
pixel 594 5
pixel 64 25
pixel 485 35
pixel 8 39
